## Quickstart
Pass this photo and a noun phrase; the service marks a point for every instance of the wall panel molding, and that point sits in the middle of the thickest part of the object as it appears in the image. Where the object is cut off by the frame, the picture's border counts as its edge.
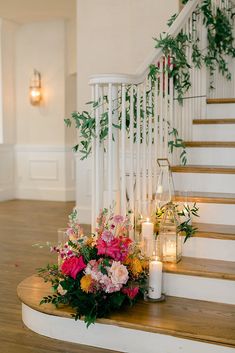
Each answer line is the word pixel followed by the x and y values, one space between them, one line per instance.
pixel 44 172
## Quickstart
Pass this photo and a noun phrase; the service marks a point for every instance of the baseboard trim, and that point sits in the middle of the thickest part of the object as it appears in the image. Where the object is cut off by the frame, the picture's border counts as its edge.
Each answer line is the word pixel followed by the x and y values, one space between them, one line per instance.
pixel 45 194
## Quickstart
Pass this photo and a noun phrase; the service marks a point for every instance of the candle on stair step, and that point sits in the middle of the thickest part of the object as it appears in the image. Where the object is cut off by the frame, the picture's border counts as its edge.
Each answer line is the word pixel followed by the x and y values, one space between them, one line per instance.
pixel 155 279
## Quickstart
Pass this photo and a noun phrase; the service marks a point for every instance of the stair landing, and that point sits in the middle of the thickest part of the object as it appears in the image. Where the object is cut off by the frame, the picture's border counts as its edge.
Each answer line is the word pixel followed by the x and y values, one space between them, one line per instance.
pixel 178 317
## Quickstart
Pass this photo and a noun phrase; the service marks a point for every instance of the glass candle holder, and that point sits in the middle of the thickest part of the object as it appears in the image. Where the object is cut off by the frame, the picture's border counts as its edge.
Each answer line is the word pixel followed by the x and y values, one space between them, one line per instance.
pixel 169 236
pixel 143 220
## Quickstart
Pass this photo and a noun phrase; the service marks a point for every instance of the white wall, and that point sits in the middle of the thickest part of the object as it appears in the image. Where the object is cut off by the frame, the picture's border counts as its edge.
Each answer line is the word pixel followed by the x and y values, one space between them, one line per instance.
pixel 41 46
pixel 113 37
pixel 8 81
pixel 44 164
pixel 7 109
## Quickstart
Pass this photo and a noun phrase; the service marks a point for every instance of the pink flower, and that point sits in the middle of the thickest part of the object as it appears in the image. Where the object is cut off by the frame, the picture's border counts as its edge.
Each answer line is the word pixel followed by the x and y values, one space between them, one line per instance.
pixel 110 248
pixel 72 266
pixel 117 248
pixel 118 219
pixel 131 292
pixel 108 286
pixel 107 235
pixel 119 273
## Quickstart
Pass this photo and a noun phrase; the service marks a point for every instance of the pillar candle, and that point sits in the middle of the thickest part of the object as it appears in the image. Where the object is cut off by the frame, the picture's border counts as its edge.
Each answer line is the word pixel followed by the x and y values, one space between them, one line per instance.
pixel 147 229
pixel 155 279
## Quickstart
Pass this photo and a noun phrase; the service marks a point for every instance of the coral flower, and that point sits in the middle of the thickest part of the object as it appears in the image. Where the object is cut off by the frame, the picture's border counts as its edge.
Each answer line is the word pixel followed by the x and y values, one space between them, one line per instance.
pixel 86 283
pixel 72 266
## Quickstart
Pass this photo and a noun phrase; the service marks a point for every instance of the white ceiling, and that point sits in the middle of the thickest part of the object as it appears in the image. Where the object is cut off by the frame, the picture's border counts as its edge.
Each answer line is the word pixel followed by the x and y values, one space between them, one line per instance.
pixel 25 11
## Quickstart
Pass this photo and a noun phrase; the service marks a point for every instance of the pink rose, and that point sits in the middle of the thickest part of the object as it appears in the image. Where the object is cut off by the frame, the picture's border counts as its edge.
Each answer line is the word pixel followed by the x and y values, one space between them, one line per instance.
pixel 131 292
pixel 72 266
pixel 119 273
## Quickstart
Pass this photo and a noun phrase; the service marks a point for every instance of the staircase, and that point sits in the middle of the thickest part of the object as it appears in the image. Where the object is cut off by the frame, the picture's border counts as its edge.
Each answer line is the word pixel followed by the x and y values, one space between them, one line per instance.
pixel 203 283
pixel 207 271
pixel 199 313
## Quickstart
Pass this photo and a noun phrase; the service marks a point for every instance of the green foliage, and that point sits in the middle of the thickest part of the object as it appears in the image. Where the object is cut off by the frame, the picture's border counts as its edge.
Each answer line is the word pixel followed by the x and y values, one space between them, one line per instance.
pixel 219 26
pixel 175 50
pixel 220 39
pixel 185 225
pixel 85 121
pixel 177 142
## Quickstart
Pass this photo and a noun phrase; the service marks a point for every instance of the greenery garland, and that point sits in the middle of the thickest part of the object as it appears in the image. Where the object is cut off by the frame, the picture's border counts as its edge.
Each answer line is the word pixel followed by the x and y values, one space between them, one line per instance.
pixel 219 25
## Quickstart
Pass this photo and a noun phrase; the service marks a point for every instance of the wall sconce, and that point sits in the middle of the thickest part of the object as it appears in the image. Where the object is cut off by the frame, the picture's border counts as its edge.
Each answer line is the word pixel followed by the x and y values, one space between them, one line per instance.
pixel 35 90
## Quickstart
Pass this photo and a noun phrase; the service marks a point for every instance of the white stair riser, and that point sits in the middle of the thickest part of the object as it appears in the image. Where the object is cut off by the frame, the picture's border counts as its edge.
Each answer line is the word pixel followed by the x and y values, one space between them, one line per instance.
pixel 213 132
pixel 194 287
pixel 204 182
pixel 211 156
pixel 220 111
pixel 216 249
pixel 216 213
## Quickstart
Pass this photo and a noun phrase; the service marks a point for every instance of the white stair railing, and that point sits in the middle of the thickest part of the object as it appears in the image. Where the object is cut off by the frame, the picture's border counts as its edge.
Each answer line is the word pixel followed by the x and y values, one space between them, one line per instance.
pixel 124 166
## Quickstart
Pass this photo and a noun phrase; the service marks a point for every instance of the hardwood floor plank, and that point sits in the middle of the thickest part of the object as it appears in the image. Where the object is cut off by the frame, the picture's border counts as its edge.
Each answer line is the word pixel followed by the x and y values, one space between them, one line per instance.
pixel 206 197
pixel 210 144
pixel 215 231
pixel 211 169
pixel 220 100
pixel 22 224
pixel 203 268
pixel 213 121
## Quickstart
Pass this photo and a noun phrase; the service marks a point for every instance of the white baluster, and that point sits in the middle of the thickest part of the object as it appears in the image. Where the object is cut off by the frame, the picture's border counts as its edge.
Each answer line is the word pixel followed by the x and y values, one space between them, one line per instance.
pixel 93 184
pixel 161 83
pixel 110 147
pixel 144 142
pixel 138 127
pixel 149 153
pixel 132 122
pixel 97 152
pixel 123 157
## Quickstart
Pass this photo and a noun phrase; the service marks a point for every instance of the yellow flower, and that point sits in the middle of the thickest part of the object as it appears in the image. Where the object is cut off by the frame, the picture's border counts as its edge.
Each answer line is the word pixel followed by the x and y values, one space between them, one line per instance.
pixel 86 283
pixel 136 267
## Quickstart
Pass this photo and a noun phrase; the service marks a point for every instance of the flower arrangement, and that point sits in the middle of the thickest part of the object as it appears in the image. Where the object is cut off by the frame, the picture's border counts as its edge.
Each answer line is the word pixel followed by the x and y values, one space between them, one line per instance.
pixel 98 273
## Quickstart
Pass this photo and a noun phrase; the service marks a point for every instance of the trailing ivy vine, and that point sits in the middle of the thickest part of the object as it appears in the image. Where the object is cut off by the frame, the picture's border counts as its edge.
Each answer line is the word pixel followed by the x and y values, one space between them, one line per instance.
pixel 219 25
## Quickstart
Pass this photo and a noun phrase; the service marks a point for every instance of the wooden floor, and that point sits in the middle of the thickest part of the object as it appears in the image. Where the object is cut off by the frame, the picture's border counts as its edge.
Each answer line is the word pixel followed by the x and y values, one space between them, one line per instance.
pixel 22 224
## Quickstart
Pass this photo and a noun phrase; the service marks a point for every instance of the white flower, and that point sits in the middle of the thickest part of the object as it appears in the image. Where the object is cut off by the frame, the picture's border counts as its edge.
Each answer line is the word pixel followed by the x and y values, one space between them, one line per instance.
pixel 119 273
pixel 61 290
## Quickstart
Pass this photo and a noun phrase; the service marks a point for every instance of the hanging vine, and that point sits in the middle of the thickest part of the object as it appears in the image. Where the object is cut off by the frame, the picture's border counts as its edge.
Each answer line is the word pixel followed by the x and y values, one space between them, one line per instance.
pixel 219 25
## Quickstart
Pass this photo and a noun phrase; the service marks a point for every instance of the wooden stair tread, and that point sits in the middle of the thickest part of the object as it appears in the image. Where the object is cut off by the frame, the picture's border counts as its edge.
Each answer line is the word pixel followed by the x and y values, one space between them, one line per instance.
pixel 206 197
pixel 220 100
pixel 192 266
pixel 215 231
pixel 213 121
pixel 203 169
pixel 179 317
pixel 215 144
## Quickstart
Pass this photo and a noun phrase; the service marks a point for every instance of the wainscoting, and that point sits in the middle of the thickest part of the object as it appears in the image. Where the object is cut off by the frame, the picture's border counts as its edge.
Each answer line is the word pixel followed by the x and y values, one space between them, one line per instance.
pixel 45 173
pixel 37 172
